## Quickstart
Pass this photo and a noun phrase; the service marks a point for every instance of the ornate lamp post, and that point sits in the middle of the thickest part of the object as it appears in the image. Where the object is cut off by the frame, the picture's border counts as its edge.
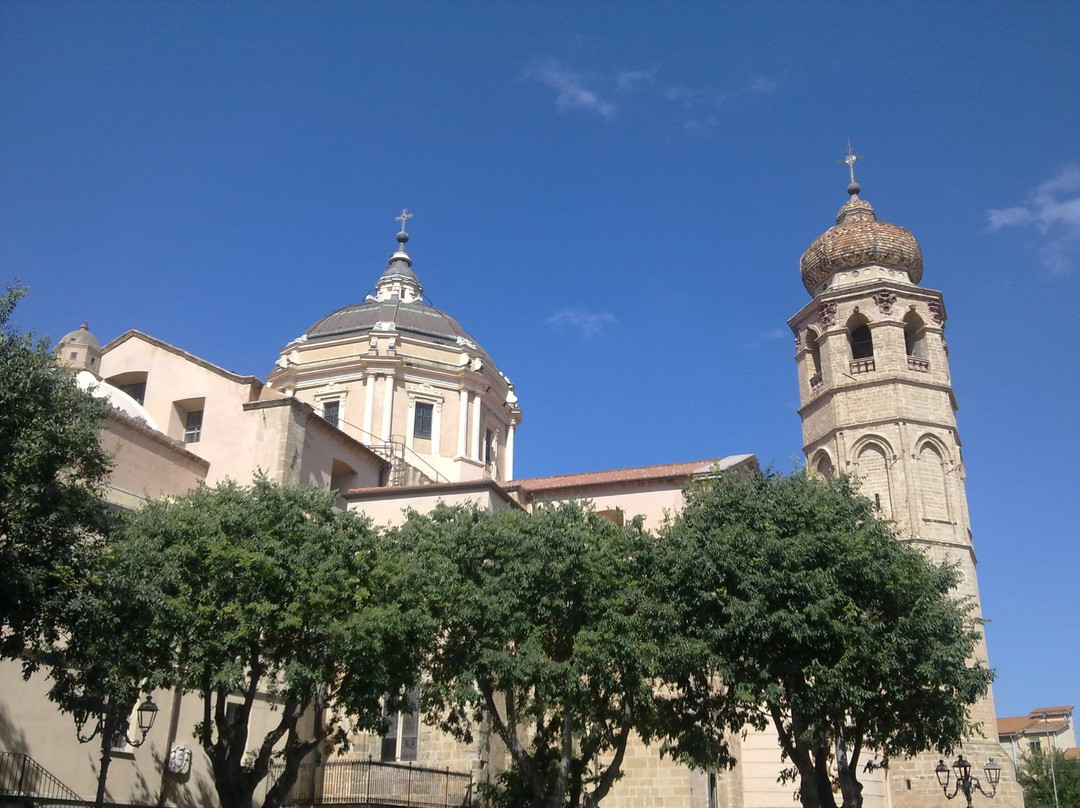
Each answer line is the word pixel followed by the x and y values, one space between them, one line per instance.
pixel 111 725
pixel 965 783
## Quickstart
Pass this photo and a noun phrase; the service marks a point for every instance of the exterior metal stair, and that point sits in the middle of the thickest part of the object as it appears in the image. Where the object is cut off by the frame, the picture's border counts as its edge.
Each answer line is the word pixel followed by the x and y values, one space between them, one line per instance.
pixel 24 781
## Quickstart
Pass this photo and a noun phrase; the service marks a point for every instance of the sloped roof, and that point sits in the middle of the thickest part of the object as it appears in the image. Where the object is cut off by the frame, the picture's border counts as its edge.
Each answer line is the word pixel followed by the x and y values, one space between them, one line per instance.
pixel 638 474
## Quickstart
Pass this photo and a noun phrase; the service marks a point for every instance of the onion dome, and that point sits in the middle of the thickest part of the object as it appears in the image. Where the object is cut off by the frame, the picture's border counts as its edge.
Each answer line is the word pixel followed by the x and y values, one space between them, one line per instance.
pixel 80 337
pixel 859 240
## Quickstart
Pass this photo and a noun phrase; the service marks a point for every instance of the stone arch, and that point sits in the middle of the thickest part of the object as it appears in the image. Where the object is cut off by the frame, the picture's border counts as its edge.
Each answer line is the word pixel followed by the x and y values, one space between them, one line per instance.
pixel 822 464
pixel 860 340
pixel 932 459
pixel 873 462
pixel 914 335
pixel 813 346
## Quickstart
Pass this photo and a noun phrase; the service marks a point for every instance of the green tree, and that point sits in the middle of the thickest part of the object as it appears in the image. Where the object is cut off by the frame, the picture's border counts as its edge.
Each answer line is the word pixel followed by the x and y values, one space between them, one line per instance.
pixel 847 640
pixel 1038 778
pixel 267 590
pixel 549 630
pixel 52 477
pixel 99 666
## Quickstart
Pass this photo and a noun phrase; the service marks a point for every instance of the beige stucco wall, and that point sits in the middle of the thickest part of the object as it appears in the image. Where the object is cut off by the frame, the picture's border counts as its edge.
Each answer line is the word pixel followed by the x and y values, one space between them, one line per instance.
pixel 146 464
pixel 246 427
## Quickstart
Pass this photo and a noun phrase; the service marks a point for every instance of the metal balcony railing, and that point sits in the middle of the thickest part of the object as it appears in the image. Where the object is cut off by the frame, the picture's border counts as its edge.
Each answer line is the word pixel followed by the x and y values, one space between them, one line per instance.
pixel 369 782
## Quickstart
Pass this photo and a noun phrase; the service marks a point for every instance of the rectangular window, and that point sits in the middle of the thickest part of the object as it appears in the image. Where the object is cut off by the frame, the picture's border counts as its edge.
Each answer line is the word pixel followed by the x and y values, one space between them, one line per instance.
pixel 331 410
pixel 137 390
pixel 193 426
pixel 422 420
pixel 119 740
pixel 489 447
pixel 400 741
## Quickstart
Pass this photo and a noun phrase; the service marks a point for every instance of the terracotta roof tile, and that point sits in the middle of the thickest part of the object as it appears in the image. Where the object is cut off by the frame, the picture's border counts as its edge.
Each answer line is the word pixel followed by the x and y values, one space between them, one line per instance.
pixel 1051 711
pixel 639 474
pixel 1013 724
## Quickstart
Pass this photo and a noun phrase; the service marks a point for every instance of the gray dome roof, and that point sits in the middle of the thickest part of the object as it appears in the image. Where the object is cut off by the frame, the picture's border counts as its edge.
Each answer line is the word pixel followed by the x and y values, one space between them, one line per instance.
pixel 81 337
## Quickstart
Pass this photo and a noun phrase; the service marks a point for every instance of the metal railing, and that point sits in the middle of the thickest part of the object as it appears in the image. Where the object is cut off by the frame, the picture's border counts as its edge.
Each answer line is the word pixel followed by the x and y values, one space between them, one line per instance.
pixel 369 782
pixel 22 776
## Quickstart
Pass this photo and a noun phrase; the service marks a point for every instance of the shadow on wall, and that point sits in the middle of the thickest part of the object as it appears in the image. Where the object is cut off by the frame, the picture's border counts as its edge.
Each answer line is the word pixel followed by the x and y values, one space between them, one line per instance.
pixel 12 738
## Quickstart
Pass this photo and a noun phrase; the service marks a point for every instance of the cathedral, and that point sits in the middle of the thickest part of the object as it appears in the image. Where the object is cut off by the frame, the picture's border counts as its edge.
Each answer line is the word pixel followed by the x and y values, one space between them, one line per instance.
pixel 391 403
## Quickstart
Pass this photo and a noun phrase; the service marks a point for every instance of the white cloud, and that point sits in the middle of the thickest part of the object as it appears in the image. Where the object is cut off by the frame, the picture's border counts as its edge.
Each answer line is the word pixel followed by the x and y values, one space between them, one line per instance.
pixel 1053 209
pixel 570 86
pixel 629 80
pixel 586 323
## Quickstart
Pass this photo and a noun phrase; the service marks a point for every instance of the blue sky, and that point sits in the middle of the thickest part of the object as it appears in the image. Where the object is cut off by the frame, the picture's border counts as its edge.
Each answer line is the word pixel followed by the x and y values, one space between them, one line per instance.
pixel 611 198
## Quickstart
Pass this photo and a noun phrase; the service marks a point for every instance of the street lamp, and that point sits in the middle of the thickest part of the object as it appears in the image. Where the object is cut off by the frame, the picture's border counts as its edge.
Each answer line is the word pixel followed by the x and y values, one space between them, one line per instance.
pixel 111 725
pixel 965 783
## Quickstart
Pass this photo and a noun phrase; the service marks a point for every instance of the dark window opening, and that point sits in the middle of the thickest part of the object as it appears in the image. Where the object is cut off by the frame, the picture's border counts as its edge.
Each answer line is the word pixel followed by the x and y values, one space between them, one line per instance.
pixel 193 426
pixel 422 420
pixel 862 344
pixel 137 390
pixel 332 411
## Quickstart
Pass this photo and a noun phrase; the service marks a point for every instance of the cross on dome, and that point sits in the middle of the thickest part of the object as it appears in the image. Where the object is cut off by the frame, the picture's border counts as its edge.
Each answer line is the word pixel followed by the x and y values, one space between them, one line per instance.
pixel 405 216
pixel 850 161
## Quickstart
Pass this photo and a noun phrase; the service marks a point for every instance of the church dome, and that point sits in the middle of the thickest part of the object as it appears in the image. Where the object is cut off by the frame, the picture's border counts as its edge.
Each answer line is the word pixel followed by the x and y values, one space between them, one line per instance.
pixel 397 305
pixel 80 337
pixel 859 239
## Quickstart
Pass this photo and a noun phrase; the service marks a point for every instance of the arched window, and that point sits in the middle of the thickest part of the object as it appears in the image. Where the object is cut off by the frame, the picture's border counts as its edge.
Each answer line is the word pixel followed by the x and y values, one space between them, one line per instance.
pixel 933 483
pixel 914 335
pixel 862 344
pixel 815 357
pixel 873 463
pixel 823 465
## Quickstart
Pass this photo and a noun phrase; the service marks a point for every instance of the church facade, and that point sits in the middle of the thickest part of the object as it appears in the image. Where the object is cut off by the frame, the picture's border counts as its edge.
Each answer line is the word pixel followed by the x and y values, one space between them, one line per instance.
pixel 391 403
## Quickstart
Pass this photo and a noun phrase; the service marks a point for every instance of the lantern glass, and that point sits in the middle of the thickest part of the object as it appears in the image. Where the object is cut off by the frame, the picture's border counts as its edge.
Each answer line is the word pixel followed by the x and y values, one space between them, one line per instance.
pixel 147 713
pixel 993 772
pixel 942 772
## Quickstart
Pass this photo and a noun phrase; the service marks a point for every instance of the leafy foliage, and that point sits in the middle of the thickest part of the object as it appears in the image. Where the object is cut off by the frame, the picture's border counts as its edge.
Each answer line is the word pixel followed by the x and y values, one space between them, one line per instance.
pixel 824 624
pixel 267 590
pixel 1038 778
pixel 52 476
pixel 547 628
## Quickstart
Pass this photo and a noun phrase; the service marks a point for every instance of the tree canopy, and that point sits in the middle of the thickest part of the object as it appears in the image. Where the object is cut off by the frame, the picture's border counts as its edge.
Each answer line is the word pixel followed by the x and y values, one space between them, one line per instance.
pixel 265 589
pixel 1040 779
pixel 824 624
pixel 548 628
pixel 52 476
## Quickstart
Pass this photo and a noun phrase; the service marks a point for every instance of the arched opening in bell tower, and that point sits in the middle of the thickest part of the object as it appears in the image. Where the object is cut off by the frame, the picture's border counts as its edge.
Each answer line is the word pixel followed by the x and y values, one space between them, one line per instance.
pixel 814 346
pixel 914 335
pixel 862 343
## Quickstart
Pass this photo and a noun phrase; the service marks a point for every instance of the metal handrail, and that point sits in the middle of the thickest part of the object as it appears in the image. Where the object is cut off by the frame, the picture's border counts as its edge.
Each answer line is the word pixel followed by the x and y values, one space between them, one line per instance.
pixel 22 776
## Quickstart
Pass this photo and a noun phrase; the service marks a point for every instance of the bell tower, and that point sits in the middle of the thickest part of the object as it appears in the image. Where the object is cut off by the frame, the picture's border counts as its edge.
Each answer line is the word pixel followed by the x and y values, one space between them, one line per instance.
pixel 876 401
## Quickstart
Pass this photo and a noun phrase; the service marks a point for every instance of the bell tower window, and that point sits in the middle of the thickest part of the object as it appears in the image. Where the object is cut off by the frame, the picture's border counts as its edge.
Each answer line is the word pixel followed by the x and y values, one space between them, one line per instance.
pixel 862 345
pixel 815 359
pixel 915 342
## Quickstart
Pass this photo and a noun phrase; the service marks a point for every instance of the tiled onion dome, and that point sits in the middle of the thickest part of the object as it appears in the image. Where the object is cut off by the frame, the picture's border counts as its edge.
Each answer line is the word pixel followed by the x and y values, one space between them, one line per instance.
pixel 859 239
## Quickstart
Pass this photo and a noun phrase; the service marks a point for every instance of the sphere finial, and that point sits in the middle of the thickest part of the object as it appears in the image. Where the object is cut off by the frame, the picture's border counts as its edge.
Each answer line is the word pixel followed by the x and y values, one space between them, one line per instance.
pixel 402 236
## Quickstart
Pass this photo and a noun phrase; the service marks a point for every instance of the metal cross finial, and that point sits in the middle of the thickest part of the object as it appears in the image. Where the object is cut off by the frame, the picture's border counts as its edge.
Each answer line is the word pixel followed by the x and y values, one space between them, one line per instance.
pixel 405 216
pixel 850 160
